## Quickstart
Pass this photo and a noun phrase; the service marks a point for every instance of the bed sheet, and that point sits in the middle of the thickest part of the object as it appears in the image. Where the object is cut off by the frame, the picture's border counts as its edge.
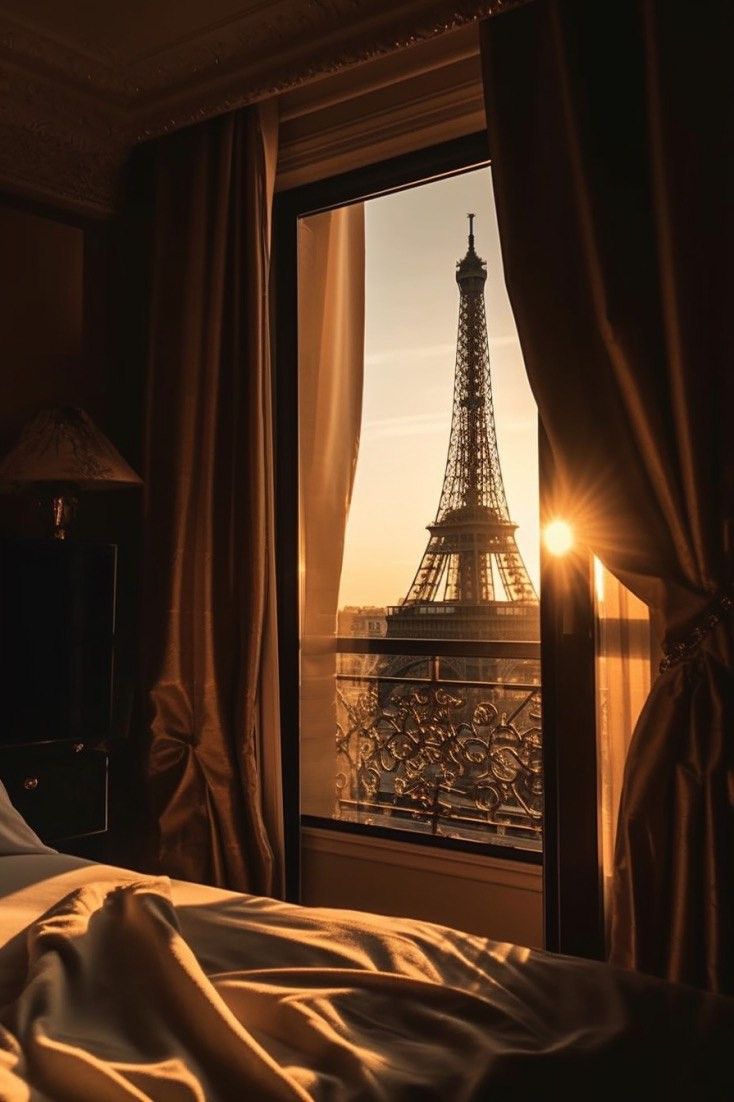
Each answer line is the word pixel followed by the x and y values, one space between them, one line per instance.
pixel 116 986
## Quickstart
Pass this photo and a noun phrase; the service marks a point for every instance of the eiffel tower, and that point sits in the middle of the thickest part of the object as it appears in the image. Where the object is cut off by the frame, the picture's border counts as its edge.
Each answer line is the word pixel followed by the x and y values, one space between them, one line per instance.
pixel 472 582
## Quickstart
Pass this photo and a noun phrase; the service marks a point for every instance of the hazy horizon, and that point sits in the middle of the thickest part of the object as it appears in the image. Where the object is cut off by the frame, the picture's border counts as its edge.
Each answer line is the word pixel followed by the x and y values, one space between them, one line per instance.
pixel 413 240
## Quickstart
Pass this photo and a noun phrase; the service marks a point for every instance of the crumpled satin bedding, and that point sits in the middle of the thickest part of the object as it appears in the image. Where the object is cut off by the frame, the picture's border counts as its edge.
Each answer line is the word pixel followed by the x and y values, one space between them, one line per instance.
pixel 119 987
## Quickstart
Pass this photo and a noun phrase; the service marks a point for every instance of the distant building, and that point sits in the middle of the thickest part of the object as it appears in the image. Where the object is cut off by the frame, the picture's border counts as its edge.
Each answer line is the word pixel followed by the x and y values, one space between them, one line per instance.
pixel 362 621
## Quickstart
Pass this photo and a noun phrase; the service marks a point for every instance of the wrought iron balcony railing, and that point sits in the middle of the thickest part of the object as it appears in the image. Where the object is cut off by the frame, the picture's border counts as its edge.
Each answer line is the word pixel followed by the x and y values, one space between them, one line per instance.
pixel 441 737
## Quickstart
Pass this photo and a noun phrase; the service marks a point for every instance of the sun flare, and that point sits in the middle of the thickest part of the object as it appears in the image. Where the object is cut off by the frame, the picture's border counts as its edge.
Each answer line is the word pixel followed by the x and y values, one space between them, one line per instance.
pixel 558 537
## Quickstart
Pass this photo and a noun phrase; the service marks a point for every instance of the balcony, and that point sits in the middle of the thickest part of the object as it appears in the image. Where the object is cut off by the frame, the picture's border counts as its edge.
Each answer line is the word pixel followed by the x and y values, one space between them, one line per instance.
pixel 441 738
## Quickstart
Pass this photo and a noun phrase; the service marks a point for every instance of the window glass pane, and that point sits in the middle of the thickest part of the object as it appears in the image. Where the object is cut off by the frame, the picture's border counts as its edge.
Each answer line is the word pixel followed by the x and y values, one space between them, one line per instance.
pixel 420 692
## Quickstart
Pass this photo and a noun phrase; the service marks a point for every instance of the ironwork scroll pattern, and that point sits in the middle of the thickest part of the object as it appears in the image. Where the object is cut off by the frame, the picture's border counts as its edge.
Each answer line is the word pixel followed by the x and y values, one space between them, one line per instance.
pixel 452 756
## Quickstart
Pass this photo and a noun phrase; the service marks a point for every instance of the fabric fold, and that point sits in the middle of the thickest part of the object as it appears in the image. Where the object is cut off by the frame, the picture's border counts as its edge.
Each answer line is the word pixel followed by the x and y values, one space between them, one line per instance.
pixel 331 318
pixel 615 223
pixel 209 629
pixel 129 994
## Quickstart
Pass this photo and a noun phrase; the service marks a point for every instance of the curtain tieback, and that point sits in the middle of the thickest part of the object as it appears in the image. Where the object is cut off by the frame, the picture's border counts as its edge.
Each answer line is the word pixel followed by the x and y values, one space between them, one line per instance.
pixel 713 614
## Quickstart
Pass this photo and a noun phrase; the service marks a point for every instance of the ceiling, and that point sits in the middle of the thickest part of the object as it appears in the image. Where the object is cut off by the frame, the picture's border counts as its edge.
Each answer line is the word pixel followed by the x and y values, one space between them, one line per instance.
pixel 126 33
pixel 81 81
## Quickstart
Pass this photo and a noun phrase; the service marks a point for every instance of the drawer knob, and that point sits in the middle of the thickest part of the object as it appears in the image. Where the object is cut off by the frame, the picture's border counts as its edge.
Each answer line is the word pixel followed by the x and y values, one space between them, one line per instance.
pixel 30 783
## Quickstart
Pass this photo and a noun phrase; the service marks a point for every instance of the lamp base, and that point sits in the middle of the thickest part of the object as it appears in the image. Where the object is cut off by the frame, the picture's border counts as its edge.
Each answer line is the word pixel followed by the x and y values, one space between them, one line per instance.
pixel 64 509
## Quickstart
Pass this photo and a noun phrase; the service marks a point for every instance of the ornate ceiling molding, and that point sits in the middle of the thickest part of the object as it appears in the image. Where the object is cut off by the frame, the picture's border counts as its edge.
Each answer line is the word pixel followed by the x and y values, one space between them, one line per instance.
pixel 71 108
pixel 322 37
pixel 333 125
pixel 59 145
pixel 29 49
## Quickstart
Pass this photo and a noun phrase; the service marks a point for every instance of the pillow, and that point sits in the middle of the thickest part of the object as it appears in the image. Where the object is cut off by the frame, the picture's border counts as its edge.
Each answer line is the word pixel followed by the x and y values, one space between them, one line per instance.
pixel 16 837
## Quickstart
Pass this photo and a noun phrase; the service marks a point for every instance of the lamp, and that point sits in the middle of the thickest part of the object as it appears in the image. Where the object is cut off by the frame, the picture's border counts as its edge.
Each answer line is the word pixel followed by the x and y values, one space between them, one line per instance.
pixel 61 451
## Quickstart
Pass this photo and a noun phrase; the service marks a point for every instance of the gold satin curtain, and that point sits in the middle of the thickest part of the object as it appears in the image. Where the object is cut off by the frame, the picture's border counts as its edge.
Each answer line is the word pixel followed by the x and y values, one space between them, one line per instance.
pixel 610 130
pixel 331 311
pixel 210 660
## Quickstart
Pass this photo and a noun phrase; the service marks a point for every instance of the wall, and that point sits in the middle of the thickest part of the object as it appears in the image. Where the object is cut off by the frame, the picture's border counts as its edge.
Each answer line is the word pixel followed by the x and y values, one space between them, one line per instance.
pixel 55 324
pixel 41 316
pixel 484 895
pixel 57 308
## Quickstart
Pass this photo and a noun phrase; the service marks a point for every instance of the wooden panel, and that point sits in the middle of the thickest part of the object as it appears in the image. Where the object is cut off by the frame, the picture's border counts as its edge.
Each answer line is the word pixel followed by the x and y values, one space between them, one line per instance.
pixel 489 896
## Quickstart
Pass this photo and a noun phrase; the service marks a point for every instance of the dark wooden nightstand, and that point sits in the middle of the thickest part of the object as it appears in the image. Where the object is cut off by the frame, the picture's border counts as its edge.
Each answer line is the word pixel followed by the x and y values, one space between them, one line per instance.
pixel 60 788
pixel 57 629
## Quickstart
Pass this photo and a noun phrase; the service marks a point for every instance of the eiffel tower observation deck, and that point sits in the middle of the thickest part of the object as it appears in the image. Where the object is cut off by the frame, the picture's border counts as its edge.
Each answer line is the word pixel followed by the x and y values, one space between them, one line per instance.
pixel 471 582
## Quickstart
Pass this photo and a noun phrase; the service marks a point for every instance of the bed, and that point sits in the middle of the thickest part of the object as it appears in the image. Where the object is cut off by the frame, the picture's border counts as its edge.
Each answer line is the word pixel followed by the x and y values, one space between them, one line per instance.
pixel 119 986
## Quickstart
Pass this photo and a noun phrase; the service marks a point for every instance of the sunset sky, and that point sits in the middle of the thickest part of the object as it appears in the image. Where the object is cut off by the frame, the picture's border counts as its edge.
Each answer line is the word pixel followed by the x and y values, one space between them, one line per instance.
pixel 413 240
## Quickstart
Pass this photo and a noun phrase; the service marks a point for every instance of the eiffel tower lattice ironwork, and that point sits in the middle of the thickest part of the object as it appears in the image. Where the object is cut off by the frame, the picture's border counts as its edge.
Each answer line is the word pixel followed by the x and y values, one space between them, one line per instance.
pixel 446 736
pixel 472 558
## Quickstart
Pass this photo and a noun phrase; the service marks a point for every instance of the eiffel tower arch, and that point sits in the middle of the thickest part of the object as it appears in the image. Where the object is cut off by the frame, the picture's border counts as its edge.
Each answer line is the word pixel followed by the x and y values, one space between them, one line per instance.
pixel 471 582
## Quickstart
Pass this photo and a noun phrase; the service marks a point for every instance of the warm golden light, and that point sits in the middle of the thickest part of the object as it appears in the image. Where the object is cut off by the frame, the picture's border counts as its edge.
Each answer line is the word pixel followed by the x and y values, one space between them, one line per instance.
pixel 558 537
pixel 599 580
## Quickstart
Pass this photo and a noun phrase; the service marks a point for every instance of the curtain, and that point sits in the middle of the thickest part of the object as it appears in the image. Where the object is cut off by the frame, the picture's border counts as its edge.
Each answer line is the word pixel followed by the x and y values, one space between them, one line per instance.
pixel 210 663
pixel 331 311
pixel 623 677
pixel 609 131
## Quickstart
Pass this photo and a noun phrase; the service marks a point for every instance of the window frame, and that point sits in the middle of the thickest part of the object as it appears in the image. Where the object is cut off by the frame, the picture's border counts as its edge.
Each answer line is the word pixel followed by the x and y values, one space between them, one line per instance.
pixel 571 864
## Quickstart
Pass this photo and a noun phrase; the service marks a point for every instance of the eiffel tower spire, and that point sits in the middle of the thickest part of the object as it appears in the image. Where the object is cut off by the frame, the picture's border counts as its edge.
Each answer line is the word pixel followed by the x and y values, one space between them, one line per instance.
pixel 472 561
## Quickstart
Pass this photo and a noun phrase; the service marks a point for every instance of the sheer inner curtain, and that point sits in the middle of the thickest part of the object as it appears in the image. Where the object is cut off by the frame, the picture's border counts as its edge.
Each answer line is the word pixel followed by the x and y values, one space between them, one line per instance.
pixel 210 659
pixel 609 130
pixel 623 678
pixel 331 313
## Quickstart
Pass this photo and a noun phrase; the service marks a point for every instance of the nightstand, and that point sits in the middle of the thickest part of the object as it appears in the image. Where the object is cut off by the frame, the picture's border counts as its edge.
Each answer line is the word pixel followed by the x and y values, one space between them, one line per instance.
pixel 60 788
pixel 57 625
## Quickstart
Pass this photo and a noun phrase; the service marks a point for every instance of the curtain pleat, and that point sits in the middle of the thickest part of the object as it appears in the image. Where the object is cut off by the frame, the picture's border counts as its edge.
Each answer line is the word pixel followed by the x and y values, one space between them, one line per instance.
pixel 331 313
pixel 210 660
pixel 610 136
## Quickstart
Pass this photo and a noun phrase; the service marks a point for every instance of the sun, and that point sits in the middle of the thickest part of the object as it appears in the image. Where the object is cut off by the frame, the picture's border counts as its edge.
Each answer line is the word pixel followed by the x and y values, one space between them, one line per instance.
pixel 558 537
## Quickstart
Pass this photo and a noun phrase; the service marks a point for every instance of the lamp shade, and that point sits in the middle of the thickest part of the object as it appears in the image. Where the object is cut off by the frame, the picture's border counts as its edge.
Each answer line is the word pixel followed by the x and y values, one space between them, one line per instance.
pixel 62 445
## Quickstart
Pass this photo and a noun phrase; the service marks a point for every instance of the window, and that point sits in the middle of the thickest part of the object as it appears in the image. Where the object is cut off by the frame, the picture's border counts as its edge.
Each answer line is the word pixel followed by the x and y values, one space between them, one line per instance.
pixel 420 673
pixel 410 622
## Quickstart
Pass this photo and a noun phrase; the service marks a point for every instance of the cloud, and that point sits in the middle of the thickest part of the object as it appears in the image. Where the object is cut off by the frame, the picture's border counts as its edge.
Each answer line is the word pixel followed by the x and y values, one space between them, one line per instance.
pixel 409 355
pixel 524 425
pixel 432 424
pixel 411 424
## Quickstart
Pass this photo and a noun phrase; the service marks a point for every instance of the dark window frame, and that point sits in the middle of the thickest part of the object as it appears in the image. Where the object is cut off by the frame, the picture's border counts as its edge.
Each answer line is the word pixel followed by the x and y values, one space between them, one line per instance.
pixel 571 865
